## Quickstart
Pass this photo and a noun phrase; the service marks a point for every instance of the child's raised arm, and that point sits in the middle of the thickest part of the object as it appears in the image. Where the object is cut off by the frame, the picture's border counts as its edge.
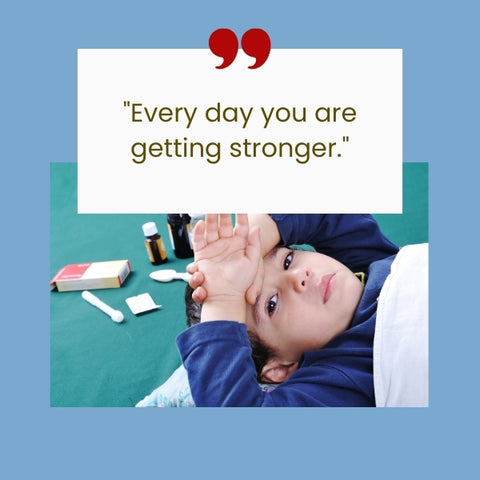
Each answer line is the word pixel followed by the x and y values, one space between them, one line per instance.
pixel 228 257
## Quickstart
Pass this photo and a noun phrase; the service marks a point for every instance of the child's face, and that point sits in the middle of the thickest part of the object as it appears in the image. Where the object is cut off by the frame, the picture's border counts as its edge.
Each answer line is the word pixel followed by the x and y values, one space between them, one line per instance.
pixel 307 299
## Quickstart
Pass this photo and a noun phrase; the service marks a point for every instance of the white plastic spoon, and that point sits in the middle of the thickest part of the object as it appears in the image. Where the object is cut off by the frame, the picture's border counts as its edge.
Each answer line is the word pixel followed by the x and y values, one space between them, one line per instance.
pixel 115 315
pixel 169 275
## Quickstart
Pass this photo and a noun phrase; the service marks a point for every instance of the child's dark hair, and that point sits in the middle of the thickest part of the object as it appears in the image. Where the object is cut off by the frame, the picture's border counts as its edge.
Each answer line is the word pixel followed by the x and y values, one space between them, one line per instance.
pixel 260 352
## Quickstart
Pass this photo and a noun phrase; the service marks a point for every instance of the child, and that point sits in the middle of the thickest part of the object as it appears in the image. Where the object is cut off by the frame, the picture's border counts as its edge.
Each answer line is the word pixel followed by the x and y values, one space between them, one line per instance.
pixel 313 314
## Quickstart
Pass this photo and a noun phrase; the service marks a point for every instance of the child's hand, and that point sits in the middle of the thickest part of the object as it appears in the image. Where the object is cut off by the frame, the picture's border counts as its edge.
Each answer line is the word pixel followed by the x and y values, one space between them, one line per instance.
pixel 199 293
pixel 227 258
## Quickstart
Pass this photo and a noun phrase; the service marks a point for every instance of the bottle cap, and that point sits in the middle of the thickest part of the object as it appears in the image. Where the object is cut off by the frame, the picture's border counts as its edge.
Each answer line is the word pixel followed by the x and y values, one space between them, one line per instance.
pixel 175 218
pixel 149 229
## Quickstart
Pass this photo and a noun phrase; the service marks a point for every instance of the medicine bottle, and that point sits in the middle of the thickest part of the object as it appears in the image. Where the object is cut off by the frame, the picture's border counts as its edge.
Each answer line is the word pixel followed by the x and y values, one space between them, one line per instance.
pixel 154 243
pixel 179 228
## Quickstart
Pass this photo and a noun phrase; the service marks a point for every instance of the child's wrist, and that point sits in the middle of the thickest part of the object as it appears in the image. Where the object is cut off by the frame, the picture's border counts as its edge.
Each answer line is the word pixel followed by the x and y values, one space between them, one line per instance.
pixel 225 307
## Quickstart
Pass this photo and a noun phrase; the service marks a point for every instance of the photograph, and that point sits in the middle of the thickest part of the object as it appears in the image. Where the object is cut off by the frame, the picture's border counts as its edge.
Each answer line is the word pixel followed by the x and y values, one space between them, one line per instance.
pixel 282 310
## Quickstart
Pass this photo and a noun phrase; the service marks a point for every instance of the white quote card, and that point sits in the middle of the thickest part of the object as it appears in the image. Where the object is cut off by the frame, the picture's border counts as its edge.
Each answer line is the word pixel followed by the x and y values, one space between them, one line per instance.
pixel 311 131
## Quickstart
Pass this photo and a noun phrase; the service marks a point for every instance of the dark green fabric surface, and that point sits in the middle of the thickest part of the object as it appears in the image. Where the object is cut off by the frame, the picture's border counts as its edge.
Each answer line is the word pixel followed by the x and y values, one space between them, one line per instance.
pixel 96 362
pixel 412 225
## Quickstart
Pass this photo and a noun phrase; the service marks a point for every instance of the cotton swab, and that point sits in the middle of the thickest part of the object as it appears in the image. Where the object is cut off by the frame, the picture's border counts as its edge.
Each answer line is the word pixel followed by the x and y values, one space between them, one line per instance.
pixel 115 315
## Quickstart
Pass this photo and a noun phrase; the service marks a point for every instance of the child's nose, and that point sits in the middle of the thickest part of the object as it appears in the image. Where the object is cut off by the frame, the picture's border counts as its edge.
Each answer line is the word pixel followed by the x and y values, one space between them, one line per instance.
pixel 299 279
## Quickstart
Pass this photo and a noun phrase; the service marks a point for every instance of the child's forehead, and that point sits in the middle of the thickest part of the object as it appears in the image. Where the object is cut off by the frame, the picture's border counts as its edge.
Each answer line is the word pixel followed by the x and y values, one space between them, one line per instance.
pixel 273 255
pixel 274 252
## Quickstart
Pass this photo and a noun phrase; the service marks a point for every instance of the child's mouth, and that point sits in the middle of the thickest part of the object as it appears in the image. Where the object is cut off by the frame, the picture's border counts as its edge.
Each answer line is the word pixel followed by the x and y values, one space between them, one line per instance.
pixel 326 286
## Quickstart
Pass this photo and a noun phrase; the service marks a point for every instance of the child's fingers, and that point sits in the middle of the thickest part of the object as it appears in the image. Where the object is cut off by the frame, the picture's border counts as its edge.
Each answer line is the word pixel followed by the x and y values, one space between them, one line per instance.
pixel 255 289
pixel 241 225
pixel 225 227
pixel 199 295
pixel 192 268
pixel 254 253
pixel 211 229
pixel 197 279
pixel 251 295
pixel 198 236
pixel 253 246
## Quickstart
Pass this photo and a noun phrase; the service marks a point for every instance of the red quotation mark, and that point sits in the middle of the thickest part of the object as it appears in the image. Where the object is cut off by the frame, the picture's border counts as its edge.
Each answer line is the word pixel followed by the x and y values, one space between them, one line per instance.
pixel 255 43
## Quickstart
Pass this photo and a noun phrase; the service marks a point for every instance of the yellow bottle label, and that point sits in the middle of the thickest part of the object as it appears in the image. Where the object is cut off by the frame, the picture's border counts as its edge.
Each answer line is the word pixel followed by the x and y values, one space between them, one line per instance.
pixel 156 250
pixel 161 248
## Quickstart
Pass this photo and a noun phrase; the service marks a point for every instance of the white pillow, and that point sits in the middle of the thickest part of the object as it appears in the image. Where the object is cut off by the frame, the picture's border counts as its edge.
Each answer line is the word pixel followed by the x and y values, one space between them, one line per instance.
pixel 400 348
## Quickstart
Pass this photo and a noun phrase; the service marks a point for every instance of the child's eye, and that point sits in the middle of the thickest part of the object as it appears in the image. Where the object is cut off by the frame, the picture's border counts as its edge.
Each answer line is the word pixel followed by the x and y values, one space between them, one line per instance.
pixel 287 261
pixel 271 305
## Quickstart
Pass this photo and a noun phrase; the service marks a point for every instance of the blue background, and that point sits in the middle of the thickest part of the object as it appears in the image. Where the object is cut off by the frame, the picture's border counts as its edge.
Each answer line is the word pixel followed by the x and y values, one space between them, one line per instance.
pixel 38 126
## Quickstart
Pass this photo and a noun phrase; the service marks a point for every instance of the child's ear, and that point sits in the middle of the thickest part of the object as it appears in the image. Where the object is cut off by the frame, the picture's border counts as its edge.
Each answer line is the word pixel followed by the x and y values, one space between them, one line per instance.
pixel 276 371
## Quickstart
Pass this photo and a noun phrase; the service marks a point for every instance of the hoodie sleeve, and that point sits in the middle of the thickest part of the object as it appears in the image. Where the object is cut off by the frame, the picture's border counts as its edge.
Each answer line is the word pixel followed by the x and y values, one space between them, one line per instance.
pixel 354 240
